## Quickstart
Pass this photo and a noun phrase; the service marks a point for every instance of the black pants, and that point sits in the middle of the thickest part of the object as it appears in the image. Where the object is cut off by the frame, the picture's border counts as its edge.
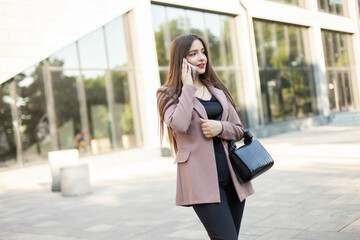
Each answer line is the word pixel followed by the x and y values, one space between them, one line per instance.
pixel 222 220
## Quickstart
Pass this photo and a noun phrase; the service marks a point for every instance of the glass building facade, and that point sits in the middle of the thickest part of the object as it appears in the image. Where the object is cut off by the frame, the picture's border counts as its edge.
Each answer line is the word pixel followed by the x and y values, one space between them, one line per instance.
pixel 87 94
pixel 79 97
pixel 286 77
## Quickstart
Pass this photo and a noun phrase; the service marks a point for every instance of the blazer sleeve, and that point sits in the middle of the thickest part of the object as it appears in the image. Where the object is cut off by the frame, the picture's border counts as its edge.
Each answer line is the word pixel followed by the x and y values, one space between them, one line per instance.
pixel 178 116
pixel 232 128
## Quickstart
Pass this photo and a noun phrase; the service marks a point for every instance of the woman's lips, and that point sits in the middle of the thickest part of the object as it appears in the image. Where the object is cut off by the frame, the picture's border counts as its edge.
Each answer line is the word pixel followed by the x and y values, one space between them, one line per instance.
pixel 201 65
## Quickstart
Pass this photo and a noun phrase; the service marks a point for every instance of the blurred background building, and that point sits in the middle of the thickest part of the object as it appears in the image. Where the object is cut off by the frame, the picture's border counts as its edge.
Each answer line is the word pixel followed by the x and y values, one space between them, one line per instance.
pixel 83 73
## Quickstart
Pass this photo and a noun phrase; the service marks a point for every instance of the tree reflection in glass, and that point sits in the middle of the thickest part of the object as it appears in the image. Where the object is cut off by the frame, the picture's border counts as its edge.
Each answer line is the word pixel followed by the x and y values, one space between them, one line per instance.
pixel 35 126
pixel 285 77
pixel 100 123
pixel 123 111
pixel 8 144
pixel 213 29
pixel 67 107
pixel 196 22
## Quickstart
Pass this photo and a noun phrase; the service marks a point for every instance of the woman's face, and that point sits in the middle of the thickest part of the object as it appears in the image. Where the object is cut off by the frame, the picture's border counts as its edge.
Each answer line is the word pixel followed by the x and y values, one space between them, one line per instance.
pixel 196 56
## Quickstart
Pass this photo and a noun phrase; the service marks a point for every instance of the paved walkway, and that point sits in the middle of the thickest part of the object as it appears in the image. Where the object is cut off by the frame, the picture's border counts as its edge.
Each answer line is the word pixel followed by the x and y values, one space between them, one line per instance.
pixel 312 192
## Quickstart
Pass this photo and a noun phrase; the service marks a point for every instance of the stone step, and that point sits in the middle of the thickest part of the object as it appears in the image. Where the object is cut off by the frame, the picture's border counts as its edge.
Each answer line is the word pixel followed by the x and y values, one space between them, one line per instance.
pixel 345 118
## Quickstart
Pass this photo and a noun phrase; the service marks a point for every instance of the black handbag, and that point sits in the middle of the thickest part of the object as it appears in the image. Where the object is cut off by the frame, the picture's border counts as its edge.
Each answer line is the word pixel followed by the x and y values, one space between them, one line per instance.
pixel 249 160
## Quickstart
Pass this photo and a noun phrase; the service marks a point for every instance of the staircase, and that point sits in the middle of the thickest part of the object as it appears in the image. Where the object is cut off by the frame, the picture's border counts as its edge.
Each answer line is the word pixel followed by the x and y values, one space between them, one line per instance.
pixel 345 118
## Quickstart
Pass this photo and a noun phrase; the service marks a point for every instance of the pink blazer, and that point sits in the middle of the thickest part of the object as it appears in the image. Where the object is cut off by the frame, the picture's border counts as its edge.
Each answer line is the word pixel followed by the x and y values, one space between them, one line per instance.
pixel 197 180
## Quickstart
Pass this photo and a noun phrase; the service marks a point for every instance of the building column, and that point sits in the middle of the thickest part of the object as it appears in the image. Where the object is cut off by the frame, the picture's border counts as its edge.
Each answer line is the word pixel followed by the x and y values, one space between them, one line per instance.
pixel 317 59
pixel 318 63
pixel 146 72
pixel 353 9
pixel 250 87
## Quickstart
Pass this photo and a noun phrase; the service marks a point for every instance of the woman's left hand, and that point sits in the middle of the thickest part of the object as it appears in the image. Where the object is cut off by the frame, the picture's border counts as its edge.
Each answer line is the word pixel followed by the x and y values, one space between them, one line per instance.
pixel 210 128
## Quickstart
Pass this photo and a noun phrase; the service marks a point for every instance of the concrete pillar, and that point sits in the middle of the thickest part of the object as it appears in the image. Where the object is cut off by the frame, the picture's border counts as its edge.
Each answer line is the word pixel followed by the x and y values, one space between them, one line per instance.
pixel 250 87
pixel 353 9
pixel 143 50
pixel 318 62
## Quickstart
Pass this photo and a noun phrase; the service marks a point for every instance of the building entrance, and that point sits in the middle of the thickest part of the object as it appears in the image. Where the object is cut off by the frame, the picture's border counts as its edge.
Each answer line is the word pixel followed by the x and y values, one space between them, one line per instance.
pixel 340 95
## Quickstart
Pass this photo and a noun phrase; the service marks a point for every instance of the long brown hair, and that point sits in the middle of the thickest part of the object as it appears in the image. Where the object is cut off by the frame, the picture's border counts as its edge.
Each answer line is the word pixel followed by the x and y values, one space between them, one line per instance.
pixel 171 90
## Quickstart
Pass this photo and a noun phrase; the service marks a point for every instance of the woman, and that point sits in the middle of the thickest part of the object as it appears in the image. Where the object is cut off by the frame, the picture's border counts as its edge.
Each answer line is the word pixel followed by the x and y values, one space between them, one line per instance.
pixel 200 116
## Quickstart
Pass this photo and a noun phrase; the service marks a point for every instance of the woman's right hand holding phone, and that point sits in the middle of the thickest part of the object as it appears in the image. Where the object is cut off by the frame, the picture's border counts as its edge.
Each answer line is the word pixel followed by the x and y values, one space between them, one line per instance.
pixel 186 73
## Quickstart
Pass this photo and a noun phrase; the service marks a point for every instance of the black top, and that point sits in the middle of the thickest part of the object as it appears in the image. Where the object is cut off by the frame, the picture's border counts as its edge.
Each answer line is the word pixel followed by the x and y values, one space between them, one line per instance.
pixel 213 108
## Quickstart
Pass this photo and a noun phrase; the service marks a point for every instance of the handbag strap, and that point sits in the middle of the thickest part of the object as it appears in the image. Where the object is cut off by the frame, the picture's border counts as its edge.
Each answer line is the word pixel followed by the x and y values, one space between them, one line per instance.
pixel 248 137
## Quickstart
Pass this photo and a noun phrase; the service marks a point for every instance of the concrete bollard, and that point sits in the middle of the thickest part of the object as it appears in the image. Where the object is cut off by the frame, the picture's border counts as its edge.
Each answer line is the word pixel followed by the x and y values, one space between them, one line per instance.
pixel 75 180
pixel 58 159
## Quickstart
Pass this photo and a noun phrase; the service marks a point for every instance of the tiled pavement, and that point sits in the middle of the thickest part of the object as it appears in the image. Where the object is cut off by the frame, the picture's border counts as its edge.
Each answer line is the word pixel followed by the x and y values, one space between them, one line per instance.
pixel 312 192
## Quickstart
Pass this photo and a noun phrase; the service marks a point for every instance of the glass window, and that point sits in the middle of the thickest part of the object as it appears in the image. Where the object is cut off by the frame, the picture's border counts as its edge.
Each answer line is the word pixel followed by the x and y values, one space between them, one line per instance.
pixel 302 93
pixel 286 93
pixel 344 52
pixel 123 112
pixel 33 118
pixel 338 69
pixel 213 27
pixel 259 44
pixel 347 89
pixel 282 46
pixel 294 46
pixel 269 44
pixel 331 6
pixel 99 118
pixel 92 50
pixel 328 44
pixel 66 57
pixel 227 40
pixel 196 22
pixel 322 5
pixel 163 76
pixel 162 38
pixel 338 7
pixel 115 40
pixel 336 45
pixel 275 101
pixel 66 91
pixel 336 49
pixel 8 144
pixel 285 77
pixel 176 21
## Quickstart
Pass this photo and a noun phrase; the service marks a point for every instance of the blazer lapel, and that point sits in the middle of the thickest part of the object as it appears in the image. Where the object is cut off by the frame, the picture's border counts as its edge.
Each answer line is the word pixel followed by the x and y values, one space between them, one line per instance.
pixel 200 108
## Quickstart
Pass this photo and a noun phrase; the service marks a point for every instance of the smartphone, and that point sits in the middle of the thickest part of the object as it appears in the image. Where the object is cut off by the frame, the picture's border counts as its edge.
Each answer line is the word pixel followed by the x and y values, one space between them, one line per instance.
pixel 193 70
